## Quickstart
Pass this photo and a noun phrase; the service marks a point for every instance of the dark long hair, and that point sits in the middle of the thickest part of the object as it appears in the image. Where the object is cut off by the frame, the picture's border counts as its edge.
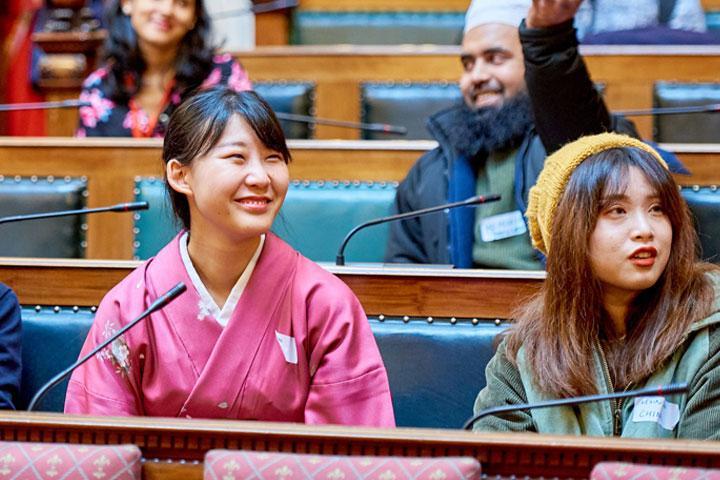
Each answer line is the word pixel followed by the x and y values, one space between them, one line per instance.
pixel 564 324
pixel 122 54
pixel 199 122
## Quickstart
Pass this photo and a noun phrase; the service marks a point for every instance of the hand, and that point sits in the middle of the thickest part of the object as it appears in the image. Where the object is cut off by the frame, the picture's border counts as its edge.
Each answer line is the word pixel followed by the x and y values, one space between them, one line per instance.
pixel 547 13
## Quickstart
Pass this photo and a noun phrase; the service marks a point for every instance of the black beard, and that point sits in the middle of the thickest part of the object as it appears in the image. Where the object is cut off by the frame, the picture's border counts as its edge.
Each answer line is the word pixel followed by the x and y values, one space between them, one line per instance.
pixel 485 130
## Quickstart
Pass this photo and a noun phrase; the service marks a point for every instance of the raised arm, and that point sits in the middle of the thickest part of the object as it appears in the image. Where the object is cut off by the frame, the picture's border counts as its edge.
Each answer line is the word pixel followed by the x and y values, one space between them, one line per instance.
pixel 565 102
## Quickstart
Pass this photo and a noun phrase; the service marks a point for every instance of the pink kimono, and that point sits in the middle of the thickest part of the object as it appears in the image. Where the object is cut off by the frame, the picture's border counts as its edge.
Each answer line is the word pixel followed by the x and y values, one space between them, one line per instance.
pixel 297 348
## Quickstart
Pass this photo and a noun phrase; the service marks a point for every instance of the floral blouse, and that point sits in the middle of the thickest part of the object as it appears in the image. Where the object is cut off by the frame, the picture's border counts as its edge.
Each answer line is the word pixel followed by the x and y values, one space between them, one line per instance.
pixel 104 118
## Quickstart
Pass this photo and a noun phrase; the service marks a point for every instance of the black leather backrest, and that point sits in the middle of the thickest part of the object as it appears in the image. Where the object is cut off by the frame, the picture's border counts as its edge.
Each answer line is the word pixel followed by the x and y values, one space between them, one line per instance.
pixel 686 128
pixel 404 104
pixel 290 97
pixel 56 237
pixel 704 203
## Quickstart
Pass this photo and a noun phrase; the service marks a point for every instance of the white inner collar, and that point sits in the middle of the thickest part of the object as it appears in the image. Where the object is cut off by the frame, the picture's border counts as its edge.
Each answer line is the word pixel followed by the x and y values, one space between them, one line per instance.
pixel 207 305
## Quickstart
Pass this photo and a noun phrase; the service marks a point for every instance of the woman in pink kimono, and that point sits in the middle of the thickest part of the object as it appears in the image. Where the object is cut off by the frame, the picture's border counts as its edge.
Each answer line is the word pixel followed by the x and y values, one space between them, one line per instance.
pixel 262 333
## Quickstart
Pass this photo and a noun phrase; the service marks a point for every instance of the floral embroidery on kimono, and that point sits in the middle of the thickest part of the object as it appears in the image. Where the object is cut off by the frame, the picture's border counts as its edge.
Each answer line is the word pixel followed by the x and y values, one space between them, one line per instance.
pixel 105 118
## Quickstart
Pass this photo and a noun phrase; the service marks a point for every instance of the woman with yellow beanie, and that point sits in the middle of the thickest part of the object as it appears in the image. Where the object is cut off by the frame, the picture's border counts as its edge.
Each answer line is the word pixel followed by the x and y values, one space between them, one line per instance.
pixel 626 303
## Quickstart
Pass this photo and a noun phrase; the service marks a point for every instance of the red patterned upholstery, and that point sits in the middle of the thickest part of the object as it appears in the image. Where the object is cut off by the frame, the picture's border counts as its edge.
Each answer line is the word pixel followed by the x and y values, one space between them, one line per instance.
pixel 631 471
pixel 233 464
pixel 26 461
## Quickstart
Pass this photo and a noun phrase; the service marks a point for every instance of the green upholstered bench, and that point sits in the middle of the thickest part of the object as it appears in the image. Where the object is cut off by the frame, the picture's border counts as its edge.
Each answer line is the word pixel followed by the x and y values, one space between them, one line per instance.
pixel 376 28
pixel 314 219
pixel 290 97
pixel 55 237
pixel 435 366
pixel 689 128
pixel 407 104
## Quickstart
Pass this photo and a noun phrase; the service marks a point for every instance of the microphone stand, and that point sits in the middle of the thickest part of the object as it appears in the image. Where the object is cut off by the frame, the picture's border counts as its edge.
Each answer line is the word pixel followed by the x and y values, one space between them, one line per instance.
pixel 710 108
pixel 648 391
pixel 157 305
pixel 120 207
pixel 16 107
pixel 372 127
pixel 340 258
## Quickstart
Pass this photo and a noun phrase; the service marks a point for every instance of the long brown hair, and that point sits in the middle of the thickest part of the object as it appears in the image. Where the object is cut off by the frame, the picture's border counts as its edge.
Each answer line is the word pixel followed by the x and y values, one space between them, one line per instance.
pixel 560 328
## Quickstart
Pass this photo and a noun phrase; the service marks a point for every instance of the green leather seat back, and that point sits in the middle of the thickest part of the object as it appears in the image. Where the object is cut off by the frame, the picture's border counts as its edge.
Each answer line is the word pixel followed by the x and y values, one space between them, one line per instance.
pixel 314 218
pixel 689 128
pixel 62 237
pixel 704 202
pixel 290 97
pixel 404 104
pixel 376 28
pixel 712 20
pixel 435 368
pixel 51 341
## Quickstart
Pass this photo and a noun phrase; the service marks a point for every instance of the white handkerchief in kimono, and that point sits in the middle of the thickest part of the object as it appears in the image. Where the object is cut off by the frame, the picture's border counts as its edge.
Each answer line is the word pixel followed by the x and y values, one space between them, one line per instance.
pixel 288 347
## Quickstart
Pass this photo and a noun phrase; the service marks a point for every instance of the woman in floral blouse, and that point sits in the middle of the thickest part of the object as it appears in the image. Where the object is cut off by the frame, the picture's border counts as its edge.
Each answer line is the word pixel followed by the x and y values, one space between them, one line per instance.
pixel 157 52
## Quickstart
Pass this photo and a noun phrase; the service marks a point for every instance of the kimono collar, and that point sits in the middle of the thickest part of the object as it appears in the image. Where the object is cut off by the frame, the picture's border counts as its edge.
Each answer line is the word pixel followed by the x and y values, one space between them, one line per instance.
pixel 207 306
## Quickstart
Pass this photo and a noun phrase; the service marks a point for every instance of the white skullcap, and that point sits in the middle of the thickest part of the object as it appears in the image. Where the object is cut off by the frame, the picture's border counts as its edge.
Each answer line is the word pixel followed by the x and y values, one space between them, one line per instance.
pixel 508 12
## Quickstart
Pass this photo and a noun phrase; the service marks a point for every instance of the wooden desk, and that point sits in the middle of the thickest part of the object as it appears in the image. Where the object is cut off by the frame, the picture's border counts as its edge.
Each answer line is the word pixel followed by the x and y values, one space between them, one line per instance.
pixel 111 166
pixel 628 73
pixel 499 454
pixel 416 292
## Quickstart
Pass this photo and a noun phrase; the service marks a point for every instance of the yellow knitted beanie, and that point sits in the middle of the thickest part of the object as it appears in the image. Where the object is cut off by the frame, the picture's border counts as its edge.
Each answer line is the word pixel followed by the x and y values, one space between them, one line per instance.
pixel 550 185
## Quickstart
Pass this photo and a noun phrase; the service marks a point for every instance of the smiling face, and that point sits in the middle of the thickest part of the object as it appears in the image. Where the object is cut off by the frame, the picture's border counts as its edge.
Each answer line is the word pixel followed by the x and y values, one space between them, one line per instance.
pixel 630 245
pixel 235 190
pixel 493 68
pixel 161 23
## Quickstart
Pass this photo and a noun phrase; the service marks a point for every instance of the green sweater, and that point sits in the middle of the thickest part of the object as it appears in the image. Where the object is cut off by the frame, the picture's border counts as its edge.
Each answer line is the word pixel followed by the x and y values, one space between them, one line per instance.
pixel 693 415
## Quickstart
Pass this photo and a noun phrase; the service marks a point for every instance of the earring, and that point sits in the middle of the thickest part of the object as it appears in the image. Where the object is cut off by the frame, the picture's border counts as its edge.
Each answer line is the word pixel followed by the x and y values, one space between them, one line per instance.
pixel 126 9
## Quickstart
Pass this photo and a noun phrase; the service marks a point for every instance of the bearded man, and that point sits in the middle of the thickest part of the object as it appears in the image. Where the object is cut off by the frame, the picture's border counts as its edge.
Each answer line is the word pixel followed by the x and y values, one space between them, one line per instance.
pixel 526 92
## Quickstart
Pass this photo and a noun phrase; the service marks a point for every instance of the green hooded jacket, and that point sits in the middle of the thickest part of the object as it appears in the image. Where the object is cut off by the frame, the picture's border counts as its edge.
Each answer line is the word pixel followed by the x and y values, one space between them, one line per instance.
pixel 692 415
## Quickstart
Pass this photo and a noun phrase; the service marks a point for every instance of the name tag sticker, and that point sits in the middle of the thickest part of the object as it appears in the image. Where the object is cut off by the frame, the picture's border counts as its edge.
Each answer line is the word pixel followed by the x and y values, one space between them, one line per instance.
pixel 656 410
pixel 504 225
pixel 288 347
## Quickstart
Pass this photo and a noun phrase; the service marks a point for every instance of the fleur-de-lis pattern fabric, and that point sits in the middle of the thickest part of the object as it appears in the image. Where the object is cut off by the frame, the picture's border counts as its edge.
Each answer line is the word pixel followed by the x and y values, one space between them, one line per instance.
pixel 631 471
pixel 245 465
pixel 52 461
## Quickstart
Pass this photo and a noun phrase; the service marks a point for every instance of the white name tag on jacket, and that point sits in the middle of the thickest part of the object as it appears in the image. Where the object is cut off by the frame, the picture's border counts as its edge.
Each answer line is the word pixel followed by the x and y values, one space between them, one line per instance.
pixel 288 347
pixel 656 410
pixel 504 225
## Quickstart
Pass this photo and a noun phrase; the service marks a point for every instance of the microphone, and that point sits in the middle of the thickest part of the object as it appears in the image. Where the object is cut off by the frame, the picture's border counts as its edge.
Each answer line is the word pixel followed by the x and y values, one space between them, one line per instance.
pixel 642 392
pixel 16 107
pixel 709 108
pixel 159 303
pixel 370 127
pixel 120 207
pixel 491 197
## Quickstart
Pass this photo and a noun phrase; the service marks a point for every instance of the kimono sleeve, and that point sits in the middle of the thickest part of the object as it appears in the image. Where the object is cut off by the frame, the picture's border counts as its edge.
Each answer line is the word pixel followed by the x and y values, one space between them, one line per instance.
pixel 504 387
pixel 107 383
pixel 349 384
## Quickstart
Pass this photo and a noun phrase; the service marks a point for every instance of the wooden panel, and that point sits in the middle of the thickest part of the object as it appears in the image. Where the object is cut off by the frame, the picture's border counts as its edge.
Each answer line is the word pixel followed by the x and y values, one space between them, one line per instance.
pixel 628 72
pixel 385 6
pixel 521 455
pixel 711 5
pixel 272 28
pixel 111 166
pixel 420 292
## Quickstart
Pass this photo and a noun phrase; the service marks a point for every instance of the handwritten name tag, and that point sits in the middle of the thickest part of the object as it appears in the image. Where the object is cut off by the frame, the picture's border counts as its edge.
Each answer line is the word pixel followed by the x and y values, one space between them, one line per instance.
pixel 656 410
pixel 504 225
pixel 288 347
